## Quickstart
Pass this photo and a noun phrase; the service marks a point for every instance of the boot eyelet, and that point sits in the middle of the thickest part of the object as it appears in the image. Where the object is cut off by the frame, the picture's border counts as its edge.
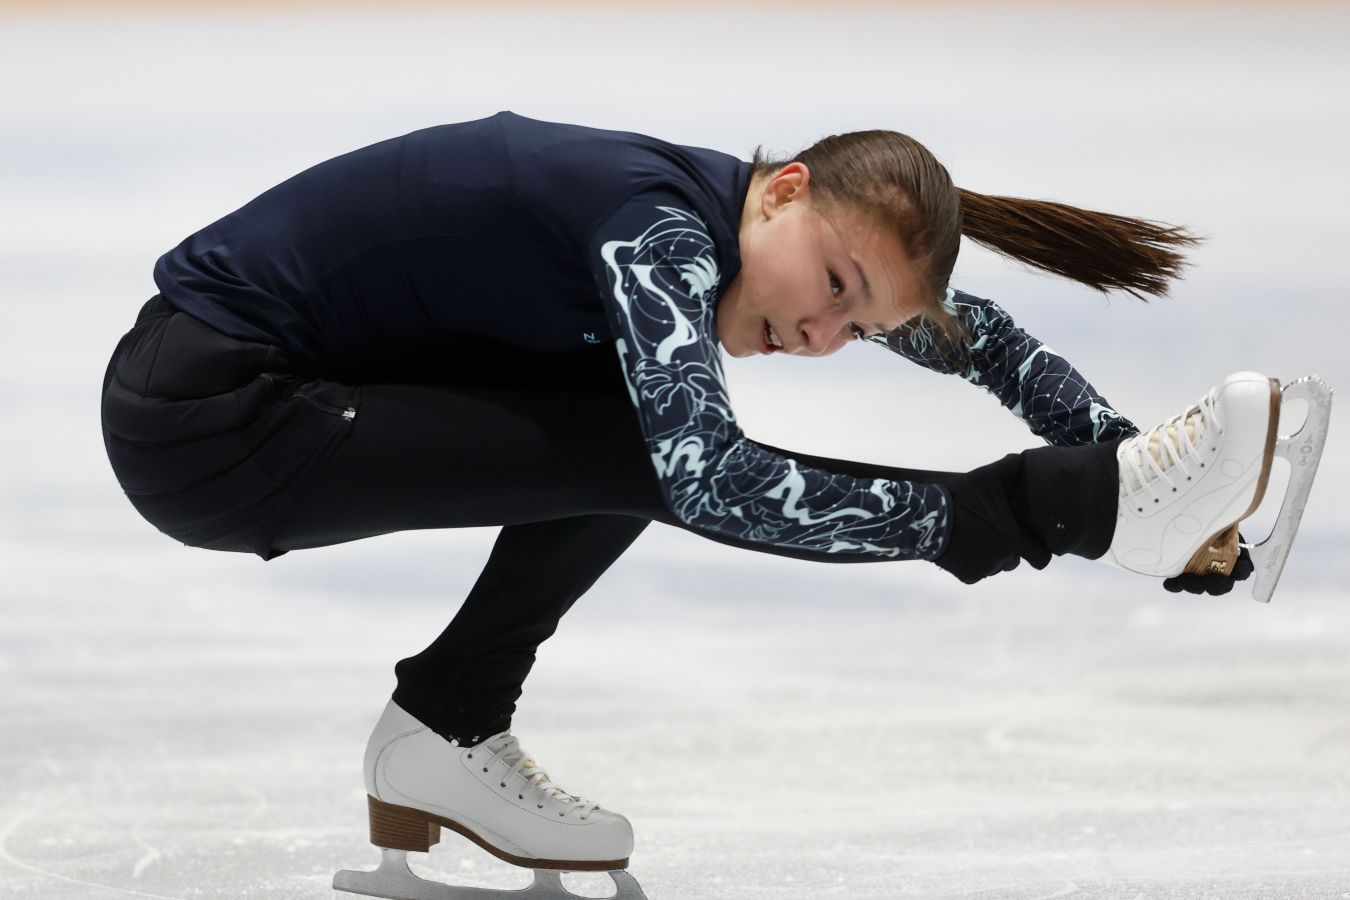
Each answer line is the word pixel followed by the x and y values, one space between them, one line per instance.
pixel 1174 490
pixel 520 796
pixel 562 814
pixel 1141 509
pixel 1155 499
pixel 484 768
pixel 503 784
pixel 539 806
pixel 470 756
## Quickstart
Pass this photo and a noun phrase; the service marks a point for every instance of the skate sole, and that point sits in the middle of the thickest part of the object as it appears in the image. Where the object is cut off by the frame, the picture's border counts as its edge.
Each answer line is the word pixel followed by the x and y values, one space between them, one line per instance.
pixel 393 880
pixel 1219 553
pixel 396 827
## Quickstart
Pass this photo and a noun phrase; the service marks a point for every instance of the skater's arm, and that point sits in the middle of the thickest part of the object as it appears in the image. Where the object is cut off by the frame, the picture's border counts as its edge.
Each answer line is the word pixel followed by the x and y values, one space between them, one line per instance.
pixel 1035 383
pixel 656 268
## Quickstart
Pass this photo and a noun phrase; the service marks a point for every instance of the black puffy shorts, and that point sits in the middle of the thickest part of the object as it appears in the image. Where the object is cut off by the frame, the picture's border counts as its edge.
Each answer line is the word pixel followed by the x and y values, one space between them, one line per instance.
pixel 212 438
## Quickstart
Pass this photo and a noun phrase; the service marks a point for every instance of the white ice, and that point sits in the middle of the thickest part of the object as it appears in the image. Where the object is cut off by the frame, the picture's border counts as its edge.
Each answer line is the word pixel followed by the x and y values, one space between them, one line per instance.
pixel 177 723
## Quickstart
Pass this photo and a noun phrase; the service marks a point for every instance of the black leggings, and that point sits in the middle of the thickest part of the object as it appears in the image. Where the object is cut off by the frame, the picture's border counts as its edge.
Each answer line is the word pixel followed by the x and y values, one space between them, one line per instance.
pixel 220 443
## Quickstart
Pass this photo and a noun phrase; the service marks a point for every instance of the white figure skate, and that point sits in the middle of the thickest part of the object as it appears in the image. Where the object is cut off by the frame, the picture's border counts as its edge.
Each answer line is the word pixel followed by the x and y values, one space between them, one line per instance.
pixel 1185 485
pixel 494 795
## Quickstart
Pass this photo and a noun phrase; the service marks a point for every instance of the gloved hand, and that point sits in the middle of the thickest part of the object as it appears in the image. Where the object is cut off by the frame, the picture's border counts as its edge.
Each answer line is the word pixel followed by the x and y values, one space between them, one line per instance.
pixel 986 537
pixel 1213 584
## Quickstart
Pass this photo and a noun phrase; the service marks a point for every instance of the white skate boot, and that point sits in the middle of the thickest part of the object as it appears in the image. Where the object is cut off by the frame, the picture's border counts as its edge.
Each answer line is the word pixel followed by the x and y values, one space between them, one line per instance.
pixel 493 794
pixel 1185 485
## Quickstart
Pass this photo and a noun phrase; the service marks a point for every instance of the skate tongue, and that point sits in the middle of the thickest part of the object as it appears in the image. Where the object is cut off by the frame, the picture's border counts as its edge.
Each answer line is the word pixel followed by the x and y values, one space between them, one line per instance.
pixel 1154 443
pixel 529 768
pixel 546 784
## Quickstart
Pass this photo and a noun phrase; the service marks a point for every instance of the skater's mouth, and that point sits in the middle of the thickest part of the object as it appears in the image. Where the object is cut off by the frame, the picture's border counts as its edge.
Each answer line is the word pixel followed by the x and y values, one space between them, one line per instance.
pixel 766 339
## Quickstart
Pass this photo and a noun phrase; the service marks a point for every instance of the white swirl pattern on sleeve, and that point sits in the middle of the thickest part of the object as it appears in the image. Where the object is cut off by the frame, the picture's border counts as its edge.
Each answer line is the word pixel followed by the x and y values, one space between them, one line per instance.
pixel 1029 378
pixel 657 269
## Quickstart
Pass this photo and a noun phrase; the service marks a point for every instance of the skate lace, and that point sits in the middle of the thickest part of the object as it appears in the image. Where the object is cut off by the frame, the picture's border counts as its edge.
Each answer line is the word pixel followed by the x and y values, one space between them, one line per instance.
pixel 506 747
pixel 1145 471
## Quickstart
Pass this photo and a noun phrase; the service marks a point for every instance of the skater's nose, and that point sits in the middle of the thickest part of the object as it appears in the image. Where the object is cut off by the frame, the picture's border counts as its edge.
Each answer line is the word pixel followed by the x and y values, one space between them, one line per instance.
pixel 823 334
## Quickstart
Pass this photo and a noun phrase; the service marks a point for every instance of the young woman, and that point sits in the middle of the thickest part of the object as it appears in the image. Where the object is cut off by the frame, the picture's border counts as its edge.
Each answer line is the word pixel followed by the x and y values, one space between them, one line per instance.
pixel 515 322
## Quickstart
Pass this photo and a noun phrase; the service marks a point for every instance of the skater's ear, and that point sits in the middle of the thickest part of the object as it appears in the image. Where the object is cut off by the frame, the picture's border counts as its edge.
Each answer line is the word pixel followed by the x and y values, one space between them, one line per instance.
pixel 790 184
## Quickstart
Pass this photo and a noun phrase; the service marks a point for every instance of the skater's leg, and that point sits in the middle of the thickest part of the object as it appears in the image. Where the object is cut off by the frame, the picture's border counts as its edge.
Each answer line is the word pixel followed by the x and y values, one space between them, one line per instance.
pixel 465 684
pixel 422 456
pixel 195 432
pixel 549 464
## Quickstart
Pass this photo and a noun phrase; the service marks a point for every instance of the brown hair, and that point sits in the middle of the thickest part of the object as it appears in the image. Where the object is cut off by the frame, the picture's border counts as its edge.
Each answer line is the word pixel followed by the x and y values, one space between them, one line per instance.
pixel 896 182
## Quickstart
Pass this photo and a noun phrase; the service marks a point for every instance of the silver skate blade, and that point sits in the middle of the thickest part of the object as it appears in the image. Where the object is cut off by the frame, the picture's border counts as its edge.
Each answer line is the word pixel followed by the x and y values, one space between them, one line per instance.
pixel 1303 450
pixel 393 880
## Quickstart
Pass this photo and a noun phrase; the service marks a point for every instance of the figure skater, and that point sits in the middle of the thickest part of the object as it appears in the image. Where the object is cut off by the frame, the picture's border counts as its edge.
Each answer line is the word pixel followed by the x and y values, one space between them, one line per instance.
pixel 520 323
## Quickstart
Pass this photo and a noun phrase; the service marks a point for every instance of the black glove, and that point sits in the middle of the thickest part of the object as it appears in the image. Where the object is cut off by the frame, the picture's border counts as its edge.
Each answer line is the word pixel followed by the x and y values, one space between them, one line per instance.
pixel 1213 584
pixel 986 537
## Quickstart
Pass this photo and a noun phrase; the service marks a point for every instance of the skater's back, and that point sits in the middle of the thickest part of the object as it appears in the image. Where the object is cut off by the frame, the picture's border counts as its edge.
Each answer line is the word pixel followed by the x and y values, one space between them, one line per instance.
pixel 458 233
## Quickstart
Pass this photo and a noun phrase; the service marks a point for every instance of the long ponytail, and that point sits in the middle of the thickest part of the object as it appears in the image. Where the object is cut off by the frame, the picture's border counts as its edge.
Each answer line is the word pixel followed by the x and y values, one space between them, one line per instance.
pixel 1101 250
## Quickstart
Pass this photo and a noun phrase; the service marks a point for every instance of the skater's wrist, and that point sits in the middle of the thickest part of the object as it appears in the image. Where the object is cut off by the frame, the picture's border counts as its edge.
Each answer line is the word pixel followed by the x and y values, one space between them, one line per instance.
pixel 987 537
pixel 944 536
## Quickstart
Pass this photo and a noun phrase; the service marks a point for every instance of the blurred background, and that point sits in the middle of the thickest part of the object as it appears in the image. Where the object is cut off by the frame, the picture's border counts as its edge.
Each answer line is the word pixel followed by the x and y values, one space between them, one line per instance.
pixel 181 723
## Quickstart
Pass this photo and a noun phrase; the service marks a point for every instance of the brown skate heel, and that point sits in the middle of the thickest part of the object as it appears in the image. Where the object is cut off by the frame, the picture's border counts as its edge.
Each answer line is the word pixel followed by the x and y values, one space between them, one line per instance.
pixel 401 828
pixel 1219 554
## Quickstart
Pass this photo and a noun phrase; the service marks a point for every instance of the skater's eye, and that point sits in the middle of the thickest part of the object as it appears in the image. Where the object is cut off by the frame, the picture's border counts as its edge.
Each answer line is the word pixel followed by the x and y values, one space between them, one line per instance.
pixel 853 328
pixel 856 330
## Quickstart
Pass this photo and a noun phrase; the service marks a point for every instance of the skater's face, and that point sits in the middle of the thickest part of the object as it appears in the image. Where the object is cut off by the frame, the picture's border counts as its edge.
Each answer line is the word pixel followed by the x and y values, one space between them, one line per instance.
pixel 813 278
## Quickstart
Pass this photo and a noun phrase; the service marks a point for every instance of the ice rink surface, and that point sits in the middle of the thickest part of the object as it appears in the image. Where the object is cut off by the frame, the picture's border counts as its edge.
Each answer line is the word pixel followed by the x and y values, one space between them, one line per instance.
pixel 177 723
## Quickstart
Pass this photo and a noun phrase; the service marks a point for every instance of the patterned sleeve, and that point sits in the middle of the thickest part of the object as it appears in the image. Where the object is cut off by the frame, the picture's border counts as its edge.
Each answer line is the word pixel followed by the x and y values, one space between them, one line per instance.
pixel 655 265
pixel 1035 383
